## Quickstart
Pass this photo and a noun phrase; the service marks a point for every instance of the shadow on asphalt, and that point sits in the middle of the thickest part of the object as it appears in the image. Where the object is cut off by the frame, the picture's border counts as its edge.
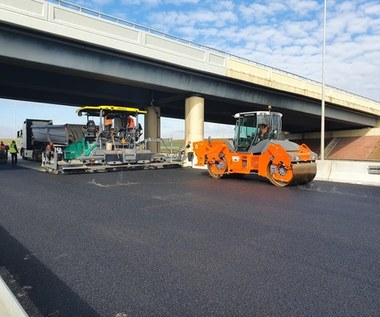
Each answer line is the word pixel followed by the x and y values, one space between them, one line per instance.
pixel 242 177
pixel 10 166
pixel 40 292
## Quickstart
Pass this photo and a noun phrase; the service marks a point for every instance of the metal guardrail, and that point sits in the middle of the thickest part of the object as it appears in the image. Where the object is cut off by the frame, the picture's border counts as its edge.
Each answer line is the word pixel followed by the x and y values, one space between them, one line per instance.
pixel 100 15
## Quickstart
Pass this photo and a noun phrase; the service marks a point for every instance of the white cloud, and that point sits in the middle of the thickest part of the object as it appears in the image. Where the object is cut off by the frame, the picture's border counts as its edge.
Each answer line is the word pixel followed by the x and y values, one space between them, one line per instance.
pixel 156 3
pixel 372 9
pixel 200 18
pixel 261 12
pixel 223 5
pixel 303 7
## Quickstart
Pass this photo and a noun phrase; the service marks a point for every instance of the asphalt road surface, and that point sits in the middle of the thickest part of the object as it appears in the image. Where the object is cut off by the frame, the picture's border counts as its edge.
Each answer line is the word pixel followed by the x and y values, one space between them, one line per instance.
pixel 178 243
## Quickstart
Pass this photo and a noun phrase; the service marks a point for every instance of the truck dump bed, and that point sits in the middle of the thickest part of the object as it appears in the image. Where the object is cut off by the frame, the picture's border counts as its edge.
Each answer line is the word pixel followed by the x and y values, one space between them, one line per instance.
pixel 58 134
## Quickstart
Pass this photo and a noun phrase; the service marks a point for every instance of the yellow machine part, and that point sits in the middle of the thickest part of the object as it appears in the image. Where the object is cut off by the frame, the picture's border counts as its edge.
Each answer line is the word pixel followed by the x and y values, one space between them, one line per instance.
pixel 95 110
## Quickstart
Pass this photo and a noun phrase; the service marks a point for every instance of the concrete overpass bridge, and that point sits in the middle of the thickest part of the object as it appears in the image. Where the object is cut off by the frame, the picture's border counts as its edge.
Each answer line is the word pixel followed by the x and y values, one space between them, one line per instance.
pixel 65 54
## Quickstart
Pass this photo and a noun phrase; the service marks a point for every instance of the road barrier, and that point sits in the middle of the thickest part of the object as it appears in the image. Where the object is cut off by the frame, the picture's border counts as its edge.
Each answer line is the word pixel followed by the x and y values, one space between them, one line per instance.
pixel 9 305
pixel 353 172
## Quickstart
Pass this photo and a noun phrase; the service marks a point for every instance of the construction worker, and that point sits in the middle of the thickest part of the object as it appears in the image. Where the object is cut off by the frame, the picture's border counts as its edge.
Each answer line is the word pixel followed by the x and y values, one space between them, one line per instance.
pixel 2 153
pixel 49 152
pixel 6 152
pixel 13 150
pixel 189 154
pixel 107 123
pixel 264 132
pixel 131 123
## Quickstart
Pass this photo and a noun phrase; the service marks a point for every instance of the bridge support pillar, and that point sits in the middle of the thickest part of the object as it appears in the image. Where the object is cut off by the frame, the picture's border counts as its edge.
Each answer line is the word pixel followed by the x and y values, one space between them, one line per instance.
pixel 152 128
pixel 194 126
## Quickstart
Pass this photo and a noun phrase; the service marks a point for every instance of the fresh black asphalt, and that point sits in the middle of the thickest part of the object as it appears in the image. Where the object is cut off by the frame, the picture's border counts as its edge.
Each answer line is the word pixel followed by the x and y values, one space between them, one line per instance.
pixel 177 243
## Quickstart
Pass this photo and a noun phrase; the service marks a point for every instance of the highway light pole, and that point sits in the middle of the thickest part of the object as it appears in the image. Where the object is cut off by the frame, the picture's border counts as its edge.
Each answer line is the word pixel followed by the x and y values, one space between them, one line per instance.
pixel 322 152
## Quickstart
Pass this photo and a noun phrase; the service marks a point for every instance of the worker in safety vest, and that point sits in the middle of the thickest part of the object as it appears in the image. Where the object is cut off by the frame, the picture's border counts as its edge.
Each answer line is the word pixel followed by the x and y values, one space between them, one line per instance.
pixel 131 123
pixel 107 123
pixel 2 151
pixel 13 150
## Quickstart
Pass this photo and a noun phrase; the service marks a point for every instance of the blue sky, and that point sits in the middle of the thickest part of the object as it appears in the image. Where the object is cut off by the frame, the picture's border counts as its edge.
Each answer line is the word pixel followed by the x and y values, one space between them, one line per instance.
pixel 281 34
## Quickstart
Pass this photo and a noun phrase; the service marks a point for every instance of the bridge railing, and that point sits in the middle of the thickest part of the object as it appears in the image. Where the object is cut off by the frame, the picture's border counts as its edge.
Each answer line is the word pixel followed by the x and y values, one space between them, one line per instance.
pixel 140 27
pixel 133 25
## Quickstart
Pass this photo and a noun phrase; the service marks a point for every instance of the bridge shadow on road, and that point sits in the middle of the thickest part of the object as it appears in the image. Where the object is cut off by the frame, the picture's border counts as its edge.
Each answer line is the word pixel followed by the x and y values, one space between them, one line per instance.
pixel 40 292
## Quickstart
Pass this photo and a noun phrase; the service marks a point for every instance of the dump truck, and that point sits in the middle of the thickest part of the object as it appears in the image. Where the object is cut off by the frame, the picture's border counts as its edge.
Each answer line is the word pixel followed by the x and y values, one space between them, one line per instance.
pixel 258 148
pixel 37 133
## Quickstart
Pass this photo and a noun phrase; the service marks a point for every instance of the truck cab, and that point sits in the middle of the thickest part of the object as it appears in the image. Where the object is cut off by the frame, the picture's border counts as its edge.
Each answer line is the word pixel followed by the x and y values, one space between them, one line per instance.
pixel 29 147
